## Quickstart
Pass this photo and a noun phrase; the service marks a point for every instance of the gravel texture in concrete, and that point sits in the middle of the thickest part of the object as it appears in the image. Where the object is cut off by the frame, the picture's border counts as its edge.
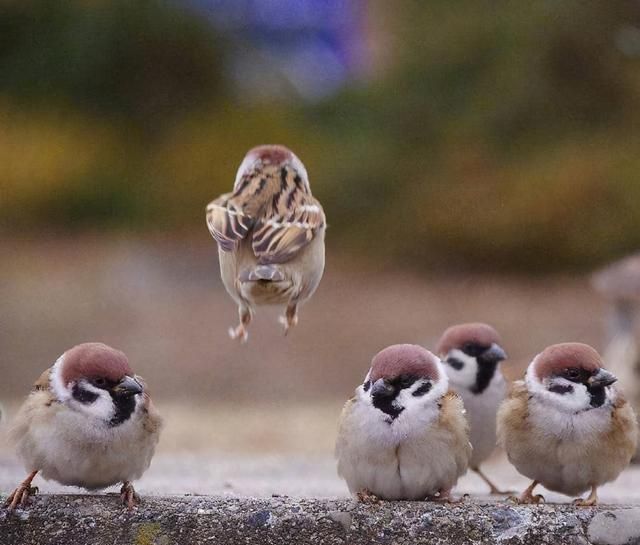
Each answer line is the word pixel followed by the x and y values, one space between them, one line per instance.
pixel 193 520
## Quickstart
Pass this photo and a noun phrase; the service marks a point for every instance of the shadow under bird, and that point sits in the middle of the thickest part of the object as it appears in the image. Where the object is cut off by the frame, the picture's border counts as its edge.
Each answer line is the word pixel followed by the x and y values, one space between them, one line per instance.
pixel 270 234
pixel 403 436
pixel 566 426
pixel 87 422
pixel 472 354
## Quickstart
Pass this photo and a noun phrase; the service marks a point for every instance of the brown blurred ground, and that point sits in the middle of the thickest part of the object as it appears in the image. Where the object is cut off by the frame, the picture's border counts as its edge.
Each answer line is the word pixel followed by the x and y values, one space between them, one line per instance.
pixel 161 301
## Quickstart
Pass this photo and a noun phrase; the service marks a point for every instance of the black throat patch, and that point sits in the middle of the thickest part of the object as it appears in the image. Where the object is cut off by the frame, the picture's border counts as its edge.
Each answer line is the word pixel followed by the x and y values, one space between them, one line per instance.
pixel 486 371
pixel 124 405
pixel 598 395
pixel 385 404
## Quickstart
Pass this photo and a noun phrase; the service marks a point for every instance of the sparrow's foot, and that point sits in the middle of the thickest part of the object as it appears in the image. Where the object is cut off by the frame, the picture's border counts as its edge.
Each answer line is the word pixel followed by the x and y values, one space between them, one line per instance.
pixel 290 318
pixel 366 496
pixel 527 499
pixel 20 496
pixel 239 333
pixel 129 496
pixel 589 501
pixel 528 496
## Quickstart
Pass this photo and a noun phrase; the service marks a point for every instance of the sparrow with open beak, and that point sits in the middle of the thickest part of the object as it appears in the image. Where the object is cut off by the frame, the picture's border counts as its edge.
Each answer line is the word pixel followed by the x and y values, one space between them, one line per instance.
pixel 403 435
pixel 87 422
pixel 471 354
pixel 270 235
pixel 566 426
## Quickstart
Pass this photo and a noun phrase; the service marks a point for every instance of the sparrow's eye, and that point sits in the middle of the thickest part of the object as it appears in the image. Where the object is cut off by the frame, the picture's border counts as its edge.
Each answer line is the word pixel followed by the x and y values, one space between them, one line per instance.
pixel 405 381
pixel 572 373
pixel 473 349
pixel 100 382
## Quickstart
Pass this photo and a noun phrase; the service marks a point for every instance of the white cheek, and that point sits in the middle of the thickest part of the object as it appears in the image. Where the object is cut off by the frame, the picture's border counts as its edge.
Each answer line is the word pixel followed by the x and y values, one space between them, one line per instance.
pixel 101 409
pixel 570 402
pixel 413 403
pixel 465 377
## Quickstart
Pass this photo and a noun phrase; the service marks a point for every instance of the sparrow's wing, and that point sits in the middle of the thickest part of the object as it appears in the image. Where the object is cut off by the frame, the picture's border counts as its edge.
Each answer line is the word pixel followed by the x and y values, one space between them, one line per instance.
pixel 289 224
pixel 227 222
pixel 453 420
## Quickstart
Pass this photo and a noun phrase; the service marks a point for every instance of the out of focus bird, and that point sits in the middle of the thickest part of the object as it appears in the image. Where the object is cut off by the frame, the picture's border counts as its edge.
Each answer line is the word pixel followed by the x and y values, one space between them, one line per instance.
pixel 403 435
pixel 619 282
pixel 270 234
pixel 566 426
pixel 87 422
pixel 471 354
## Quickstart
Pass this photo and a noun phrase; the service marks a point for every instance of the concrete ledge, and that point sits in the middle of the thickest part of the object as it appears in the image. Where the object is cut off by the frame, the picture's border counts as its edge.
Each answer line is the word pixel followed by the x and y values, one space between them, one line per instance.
pixel 192 520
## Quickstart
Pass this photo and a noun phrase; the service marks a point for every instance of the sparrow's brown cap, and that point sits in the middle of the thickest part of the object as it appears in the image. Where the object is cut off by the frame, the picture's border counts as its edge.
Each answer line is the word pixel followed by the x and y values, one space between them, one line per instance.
pixel 404 359
pixel 558 357
pixel 459 335
pixel 94 360
pixel 272 153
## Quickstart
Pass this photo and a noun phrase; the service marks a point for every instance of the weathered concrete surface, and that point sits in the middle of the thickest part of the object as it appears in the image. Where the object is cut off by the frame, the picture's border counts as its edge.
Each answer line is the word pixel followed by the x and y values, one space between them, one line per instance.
pixel 193 520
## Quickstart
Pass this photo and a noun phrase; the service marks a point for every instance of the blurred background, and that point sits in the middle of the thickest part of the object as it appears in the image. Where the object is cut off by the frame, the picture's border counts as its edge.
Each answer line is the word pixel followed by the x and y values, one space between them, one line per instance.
pixel 476 161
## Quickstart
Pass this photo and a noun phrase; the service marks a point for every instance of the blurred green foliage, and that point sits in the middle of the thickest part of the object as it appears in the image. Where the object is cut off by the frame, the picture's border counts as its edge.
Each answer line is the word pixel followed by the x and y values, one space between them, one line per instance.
pixel 498 135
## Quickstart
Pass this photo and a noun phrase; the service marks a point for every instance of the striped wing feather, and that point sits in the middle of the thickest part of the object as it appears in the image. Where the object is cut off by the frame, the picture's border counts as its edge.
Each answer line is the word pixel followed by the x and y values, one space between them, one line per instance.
pixel 274 208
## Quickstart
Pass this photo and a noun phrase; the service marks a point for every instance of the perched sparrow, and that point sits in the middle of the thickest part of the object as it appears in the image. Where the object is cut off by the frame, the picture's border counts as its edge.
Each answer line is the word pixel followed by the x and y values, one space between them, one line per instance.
pixel 403 436
pixel 270 235
pixel 565 426
pixel 87 422
pixel 472 355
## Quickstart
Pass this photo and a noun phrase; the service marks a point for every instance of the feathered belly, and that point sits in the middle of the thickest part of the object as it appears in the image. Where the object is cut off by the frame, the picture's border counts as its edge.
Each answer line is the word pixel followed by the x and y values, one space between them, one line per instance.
pixel 408 470
pixel 86 458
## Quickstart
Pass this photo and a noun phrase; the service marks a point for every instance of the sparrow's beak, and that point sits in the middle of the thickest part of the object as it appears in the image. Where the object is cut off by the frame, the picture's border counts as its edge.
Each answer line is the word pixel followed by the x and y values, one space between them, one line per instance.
pixel 128 386
pixel 602 378
pixel 494 353
pixel 381 388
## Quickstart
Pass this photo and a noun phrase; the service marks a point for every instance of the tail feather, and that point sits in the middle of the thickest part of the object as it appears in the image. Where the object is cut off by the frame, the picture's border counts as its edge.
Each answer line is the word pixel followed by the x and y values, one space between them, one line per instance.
pixel 270 273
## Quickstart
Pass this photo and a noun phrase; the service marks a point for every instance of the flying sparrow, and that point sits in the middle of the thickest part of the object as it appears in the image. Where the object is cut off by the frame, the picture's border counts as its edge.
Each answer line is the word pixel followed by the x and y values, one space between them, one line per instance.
pixel 87 422
pixel 270 235
pixel 565 426
pixel 403 435
pixel 472 354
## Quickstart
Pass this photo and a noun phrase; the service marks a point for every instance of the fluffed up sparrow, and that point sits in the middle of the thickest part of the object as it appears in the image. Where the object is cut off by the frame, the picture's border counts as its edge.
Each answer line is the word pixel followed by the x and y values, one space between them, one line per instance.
pixel 87 422
pixel 403 436
pixel 565 426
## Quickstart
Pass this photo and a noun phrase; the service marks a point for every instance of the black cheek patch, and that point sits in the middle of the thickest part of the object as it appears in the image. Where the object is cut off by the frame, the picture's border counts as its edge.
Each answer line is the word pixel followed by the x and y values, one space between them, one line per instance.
pixel 83 396
pixel 455 363
pixel 422 390
pixel 366 385
pixel 561 389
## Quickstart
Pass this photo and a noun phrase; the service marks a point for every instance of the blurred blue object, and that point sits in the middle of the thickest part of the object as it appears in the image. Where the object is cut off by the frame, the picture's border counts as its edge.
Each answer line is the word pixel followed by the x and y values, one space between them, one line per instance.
pixel 308 48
